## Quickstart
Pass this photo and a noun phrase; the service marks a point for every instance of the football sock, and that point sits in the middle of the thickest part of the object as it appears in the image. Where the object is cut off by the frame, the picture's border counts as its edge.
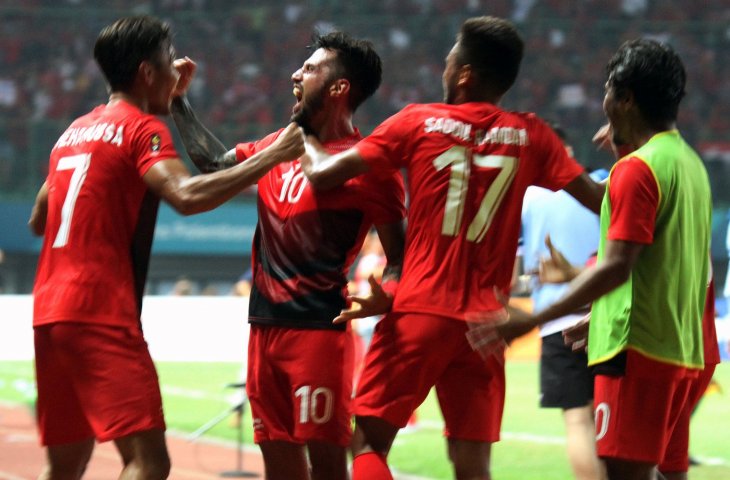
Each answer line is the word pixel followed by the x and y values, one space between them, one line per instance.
pixel 370 466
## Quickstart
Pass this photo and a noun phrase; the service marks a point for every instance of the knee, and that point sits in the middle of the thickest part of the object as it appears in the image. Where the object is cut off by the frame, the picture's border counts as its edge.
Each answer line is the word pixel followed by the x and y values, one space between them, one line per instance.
pixel 152 468
pixel 159 468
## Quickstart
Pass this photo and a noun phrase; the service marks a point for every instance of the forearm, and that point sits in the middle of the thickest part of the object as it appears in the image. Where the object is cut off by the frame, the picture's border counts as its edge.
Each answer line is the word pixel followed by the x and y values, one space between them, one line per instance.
pixel 588 286
pixel 201 193
pixel 205 150
pixel 326 171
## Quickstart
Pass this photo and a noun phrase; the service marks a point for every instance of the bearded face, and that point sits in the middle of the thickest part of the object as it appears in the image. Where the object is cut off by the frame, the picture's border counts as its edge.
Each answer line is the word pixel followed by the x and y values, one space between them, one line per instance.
pixel 310 87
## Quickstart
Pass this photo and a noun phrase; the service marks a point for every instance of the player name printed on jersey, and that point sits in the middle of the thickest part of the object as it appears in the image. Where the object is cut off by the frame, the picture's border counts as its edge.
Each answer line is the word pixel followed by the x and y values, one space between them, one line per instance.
pixel 106 132
pixel 462 130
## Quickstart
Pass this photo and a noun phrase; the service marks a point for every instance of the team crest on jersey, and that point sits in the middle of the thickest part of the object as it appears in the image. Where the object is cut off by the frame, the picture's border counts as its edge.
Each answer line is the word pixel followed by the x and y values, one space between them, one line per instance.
pixel 155 142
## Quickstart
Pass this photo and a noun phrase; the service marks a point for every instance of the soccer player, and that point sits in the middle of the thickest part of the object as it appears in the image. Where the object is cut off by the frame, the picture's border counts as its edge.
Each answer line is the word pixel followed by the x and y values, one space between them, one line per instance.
pixel 300 365
pixel 97 211
pixel 650 283
pixel 468 163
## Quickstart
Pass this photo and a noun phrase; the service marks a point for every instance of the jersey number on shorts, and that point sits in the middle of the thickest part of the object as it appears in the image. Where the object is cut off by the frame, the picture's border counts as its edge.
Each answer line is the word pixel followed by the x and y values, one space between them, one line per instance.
pixel 80 165
pixel 311 407
pixel 457 158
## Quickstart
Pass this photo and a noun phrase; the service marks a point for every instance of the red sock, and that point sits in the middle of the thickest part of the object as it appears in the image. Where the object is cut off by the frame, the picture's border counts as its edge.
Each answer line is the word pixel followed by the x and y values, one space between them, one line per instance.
pixel 370 466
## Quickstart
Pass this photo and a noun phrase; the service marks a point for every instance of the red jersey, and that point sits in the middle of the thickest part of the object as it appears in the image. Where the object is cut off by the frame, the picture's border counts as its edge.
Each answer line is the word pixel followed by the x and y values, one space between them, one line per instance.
pixel 306 240
pixel 468 167
pixel 101 217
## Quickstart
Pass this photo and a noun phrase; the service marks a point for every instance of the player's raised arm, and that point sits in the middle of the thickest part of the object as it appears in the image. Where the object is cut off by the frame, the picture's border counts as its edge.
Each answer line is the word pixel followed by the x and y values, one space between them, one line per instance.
pixel 324 170
pixel 587 191
pixel 171 180
pixel 37 221
pixel 205 150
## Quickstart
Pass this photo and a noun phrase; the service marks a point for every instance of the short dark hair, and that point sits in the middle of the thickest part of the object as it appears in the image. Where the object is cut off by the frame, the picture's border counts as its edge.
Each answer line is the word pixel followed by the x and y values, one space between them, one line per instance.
pixel 360 63
pixel 123 45
pixel 654 73
pixel 493 48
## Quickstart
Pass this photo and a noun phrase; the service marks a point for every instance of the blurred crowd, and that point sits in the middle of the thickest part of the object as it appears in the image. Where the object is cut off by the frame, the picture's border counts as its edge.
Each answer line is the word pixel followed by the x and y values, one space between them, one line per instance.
pixel 247 51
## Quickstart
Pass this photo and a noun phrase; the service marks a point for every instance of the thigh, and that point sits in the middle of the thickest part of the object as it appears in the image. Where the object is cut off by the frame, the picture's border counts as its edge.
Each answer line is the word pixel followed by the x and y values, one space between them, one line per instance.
pixel 676 457
pixel 146 450
pixel 565 379
pixel 106 379
pixel 635 415
pixel 407 355
pixel 60 416
pixel 284 460
pixel 300 384
pixel 471 393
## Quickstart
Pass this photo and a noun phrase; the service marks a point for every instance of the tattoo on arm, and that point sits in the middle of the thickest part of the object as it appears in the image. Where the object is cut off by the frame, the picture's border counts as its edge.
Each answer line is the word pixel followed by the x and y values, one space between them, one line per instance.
pixel 205 150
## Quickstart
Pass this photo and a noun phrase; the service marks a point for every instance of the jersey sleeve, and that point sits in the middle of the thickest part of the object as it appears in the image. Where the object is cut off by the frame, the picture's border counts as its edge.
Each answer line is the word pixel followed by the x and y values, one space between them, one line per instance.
pixel 557 167
pixel 248 149
pixel 151 143
pixel 634 196
pixel 383 150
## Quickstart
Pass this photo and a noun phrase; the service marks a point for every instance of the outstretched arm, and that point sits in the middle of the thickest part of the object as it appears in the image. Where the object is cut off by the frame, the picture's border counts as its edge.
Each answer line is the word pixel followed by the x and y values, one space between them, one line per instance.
pixel 187 194
pixel 324 170
pixel 592 283
pixel 588 192
pixel 205 150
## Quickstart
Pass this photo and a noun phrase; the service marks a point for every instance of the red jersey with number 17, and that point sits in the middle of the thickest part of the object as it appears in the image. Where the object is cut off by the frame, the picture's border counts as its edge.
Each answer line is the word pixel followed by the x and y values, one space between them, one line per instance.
pixel 101 217
pixel 468 167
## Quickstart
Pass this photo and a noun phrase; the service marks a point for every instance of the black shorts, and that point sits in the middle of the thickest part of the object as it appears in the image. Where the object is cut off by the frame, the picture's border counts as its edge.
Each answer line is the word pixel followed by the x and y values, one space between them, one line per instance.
pixel 565 379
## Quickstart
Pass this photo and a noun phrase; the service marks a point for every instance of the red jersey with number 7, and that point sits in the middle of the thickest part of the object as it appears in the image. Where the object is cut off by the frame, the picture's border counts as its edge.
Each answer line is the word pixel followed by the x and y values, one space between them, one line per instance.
pixel 101 217
pixel 468 166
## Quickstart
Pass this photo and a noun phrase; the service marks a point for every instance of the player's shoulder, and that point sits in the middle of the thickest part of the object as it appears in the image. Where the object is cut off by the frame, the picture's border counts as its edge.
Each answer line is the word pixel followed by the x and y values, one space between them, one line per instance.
pixel 530 120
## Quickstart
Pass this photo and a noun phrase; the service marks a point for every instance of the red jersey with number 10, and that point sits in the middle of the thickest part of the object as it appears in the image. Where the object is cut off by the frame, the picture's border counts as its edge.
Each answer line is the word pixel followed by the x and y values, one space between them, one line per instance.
pixel 307 239
pixel 468 167
pixel 101 217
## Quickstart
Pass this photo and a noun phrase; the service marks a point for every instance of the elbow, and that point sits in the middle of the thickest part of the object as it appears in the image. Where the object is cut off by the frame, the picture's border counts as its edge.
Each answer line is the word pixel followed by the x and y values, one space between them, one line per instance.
pixel 187 205
pixel 36 228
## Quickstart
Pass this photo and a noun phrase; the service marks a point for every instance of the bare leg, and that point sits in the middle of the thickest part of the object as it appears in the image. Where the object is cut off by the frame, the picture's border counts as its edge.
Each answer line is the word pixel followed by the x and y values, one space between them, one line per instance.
pixel 329 461
pixel 581 444
pixel 470 459
pixel 284 461
pixel 67 462
pixel 144 455
pixel 373 434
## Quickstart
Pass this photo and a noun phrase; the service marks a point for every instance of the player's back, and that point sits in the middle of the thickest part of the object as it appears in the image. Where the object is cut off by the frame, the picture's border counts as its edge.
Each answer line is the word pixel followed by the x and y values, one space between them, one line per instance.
pixel 468 167
pixel 95 200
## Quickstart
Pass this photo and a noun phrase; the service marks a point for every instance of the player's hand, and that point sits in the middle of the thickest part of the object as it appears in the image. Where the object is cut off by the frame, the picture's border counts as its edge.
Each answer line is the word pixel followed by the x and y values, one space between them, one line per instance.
pixel 518 323
pixel 577 335
pixel 290 143
pixel 602 138
pixel 378 302
pixel 556 268
pixel 186 69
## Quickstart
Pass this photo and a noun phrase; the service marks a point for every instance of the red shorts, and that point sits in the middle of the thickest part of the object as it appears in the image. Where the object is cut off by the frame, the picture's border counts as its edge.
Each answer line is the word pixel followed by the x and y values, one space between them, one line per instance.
pixel 94 381
pixel 412 352
pixel 636 413
pixel 676 458
pixel 299 383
